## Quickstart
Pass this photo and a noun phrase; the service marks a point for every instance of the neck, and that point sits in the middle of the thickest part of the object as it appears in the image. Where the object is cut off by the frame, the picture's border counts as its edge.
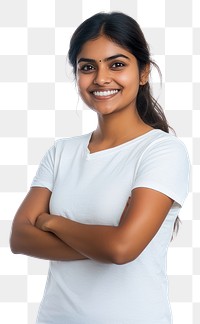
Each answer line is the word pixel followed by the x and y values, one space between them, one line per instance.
pixel 117 127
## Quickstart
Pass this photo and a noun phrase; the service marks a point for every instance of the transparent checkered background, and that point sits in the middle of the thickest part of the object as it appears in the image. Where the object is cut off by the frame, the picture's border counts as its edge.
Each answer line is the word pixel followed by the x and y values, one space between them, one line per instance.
pixel 39 102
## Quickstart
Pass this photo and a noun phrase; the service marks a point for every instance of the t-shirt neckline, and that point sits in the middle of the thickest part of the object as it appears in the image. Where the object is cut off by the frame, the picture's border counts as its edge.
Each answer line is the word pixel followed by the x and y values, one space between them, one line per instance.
pixel 117 147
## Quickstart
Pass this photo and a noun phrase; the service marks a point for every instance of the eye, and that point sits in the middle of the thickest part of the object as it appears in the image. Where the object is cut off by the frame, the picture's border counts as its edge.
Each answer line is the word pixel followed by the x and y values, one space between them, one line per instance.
pixel 87 68
pixel 118 65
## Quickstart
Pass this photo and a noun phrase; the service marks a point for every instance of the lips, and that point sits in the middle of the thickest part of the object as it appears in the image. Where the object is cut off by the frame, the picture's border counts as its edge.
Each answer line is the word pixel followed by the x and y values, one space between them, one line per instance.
pixel 105 93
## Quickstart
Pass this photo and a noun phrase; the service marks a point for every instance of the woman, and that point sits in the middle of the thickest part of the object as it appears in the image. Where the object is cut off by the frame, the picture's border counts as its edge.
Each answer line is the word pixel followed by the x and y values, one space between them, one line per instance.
pixel 103 205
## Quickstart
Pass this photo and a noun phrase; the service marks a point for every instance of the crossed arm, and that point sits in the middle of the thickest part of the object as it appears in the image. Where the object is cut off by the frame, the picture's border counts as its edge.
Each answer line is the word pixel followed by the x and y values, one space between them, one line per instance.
pixel 27 239
pixel 37 233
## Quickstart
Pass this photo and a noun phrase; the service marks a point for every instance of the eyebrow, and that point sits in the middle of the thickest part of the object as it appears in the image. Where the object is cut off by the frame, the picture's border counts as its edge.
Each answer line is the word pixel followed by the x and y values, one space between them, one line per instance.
pixel 83 59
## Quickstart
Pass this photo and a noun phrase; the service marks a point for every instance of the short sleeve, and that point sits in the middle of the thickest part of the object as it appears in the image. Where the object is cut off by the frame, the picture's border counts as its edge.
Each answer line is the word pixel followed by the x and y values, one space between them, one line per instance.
pixel 45 174
pixel 164 166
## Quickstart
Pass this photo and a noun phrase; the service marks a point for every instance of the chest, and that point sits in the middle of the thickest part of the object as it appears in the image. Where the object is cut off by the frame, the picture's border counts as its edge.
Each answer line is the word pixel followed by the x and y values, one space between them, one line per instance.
pixel 93 191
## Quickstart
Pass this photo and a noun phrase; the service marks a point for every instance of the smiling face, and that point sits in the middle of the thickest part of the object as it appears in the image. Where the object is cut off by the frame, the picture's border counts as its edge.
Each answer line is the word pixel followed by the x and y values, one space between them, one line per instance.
pixel 108 77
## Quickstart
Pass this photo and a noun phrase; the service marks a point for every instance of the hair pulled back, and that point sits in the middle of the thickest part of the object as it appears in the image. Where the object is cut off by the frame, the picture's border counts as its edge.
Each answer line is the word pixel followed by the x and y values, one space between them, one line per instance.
pixel 124 31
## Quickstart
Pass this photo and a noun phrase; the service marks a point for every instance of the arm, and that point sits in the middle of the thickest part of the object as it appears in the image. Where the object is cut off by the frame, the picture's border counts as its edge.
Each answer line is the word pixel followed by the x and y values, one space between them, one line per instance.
pixel 27 239
pixel 142 219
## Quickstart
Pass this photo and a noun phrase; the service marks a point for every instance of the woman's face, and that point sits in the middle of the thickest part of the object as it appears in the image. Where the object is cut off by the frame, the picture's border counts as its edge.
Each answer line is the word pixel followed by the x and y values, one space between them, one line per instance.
pixel 107 76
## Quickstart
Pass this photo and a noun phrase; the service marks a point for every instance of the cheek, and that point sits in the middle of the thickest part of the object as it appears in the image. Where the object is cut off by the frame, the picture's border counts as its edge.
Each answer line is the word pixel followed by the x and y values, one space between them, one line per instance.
pixel 131 78
pixel 79 83
pixel 82 84
pixel 131 84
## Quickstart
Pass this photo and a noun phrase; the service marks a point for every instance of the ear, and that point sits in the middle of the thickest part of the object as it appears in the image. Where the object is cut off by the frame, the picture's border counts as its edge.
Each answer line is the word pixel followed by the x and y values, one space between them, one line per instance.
pixel 144 75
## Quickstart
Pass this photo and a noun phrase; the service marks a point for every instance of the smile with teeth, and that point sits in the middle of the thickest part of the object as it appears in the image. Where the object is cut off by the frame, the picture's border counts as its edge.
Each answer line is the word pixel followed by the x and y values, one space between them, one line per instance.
pixel 105 93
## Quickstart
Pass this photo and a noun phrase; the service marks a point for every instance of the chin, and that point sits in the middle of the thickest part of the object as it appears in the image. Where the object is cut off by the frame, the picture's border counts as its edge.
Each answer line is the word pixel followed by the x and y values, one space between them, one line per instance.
pixel 105 111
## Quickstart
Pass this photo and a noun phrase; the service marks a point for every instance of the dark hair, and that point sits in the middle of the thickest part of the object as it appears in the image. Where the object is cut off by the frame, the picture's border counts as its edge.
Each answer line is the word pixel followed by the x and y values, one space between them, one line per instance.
pixel 126 32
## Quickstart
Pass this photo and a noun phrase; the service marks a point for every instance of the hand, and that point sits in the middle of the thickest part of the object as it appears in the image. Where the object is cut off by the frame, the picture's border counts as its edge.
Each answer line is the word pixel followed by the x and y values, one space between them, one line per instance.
pixel 42 221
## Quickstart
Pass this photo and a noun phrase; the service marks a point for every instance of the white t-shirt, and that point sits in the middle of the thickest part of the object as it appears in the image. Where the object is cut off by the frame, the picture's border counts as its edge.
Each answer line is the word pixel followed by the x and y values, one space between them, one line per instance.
pixel 93 189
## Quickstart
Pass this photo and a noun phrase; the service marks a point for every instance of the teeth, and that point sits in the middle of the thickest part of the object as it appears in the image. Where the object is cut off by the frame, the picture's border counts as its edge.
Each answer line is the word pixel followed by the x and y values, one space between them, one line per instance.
pixel 105 93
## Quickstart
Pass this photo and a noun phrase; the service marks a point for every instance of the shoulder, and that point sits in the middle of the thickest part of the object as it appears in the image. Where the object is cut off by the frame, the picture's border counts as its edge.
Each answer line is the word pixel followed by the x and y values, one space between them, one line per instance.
pixel 164 151
pixel 71 143
pixel 164 166
pixel 71 140
pixel 163 143
pixel 65 147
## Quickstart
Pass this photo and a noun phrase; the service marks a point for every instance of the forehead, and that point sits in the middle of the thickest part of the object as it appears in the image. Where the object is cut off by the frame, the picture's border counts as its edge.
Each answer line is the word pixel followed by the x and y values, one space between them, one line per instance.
pixel 101 48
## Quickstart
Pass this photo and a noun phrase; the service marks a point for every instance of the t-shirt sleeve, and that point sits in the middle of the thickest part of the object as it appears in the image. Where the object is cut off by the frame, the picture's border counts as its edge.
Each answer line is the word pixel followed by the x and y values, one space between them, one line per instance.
pixel 164 166
pixel 45 174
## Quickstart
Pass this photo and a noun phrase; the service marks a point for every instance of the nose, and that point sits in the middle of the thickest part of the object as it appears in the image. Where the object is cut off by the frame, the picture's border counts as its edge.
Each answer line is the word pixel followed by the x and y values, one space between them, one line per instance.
pixel 102 76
